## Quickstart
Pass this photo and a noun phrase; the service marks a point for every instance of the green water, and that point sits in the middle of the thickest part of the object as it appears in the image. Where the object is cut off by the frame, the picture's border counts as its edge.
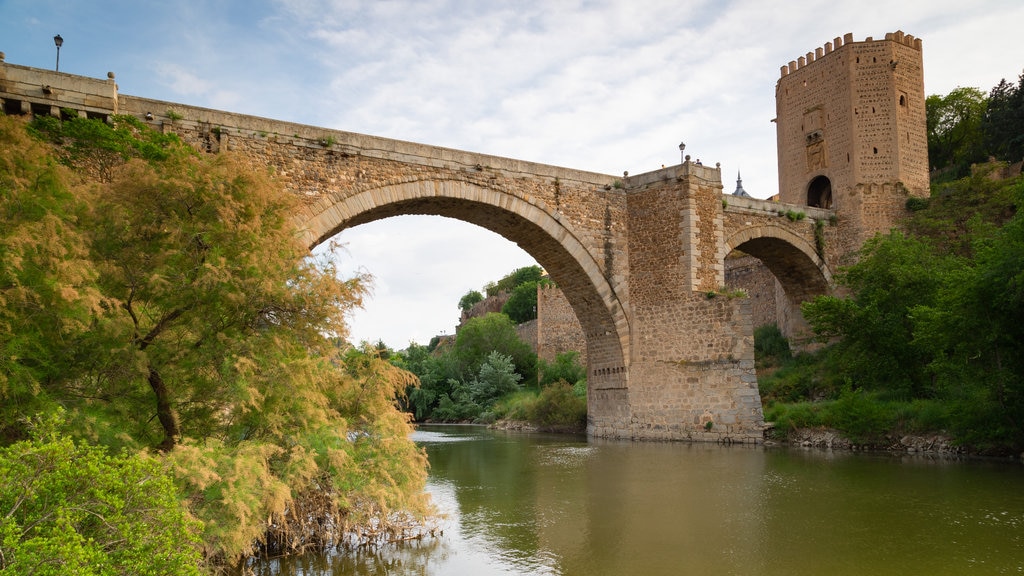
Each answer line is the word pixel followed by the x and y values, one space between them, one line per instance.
pixel 538 504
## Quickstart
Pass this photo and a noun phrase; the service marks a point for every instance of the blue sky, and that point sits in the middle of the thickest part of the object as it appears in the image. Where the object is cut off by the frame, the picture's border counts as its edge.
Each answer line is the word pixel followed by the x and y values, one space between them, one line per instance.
pixel 599 85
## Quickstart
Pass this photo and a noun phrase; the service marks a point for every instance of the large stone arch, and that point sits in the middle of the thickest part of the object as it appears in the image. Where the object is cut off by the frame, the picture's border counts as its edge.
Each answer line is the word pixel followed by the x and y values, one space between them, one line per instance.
pixel 543 234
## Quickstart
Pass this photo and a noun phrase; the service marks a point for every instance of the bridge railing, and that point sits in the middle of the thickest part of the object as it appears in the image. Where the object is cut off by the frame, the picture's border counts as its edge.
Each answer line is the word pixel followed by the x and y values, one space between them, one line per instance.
pixel 27 90
pixel 770 207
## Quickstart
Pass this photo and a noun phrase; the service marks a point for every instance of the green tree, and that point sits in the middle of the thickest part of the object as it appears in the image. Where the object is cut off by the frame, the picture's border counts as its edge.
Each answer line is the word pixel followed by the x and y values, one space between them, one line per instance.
pixel 894 274
pixel 521 305
pixel 566 367
pixel 478 337
pixel 975 335
pixel 48 293
pixel 469 299
pixel 515 278
pixel 496 378
pixel 1003 124
pixel 954 129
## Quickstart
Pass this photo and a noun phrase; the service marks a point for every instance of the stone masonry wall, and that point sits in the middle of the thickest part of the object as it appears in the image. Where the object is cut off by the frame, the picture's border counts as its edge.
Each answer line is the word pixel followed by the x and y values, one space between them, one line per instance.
pixel 854 113
pixel 558 329
pixel 752 276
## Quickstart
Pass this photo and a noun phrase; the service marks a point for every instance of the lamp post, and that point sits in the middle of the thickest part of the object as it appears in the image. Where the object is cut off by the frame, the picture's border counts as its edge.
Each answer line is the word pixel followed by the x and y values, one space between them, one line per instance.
pixel 59 42
pixel 682 153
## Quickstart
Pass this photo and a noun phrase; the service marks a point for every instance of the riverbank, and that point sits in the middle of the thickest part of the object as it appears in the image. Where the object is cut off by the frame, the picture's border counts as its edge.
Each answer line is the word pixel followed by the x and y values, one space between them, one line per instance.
pixel 830 439
pixel 524 426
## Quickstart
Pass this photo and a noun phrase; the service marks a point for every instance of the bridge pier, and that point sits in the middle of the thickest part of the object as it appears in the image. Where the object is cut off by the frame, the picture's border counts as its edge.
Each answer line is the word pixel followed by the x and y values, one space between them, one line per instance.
pixel 690 374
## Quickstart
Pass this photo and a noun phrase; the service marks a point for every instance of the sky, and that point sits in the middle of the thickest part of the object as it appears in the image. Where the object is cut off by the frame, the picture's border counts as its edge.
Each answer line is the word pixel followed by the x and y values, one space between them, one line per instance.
pixel 600 85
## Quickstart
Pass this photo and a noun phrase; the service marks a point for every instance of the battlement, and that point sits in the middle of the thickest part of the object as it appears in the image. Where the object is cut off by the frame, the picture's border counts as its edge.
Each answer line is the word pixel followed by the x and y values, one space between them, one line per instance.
pixel 847 39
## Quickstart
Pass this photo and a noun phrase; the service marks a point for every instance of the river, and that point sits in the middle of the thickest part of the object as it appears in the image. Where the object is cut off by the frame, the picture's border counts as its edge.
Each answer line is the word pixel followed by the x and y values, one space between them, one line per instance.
pixel 536 504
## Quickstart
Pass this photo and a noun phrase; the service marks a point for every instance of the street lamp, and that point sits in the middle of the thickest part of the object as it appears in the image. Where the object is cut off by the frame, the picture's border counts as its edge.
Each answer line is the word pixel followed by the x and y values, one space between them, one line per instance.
pixel 59 42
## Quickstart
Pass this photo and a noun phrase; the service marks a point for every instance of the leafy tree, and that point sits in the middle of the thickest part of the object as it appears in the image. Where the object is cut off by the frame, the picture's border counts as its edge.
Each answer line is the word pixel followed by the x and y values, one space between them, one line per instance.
pixel 515 278
pixel 48 293
pixel 894 274
pixel 493 332
pixel 70 508
pixel 469 299
pixel 975 335
pixel 558 406
pixel 1003 124
pixel 197 324
pixel 954 129
pixel 496 378
pixel 439 376
pixel 521 305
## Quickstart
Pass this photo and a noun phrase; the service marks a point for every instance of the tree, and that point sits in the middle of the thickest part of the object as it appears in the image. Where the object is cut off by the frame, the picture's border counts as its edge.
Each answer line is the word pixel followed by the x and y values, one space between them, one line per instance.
pixel 48 293
pixel 521 305
pixel 975 335
pixel 1003 123
pixel 565 367
pixel 469 299
pixel 954 129
pixel 478 337
pixel 496 378
pixel 199 325
pixel 894 274
pixel 515 278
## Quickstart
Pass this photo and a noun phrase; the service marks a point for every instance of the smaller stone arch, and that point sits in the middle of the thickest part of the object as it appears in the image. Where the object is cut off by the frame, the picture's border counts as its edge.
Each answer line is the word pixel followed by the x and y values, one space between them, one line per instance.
pixel 794 263
pixel 819 192
pixel 792 259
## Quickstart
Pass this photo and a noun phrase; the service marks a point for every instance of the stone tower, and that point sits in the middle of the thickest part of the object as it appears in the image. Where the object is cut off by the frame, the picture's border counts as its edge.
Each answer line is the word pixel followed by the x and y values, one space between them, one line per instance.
pixel 852 134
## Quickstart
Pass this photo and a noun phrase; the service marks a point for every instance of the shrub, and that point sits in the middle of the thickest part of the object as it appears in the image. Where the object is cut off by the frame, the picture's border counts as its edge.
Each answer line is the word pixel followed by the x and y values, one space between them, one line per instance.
pixel 770 343
pixel 860 416
pixel 565 367
pixel 559 407
pixel 69 508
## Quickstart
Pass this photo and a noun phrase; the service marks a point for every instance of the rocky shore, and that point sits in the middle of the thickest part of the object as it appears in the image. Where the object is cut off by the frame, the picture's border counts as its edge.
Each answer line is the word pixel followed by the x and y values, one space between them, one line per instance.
pixel 828 439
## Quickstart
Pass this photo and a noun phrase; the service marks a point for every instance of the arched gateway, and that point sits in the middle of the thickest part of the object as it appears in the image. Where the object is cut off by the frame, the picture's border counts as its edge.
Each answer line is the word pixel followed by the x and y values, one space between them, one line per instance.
pixel 640 258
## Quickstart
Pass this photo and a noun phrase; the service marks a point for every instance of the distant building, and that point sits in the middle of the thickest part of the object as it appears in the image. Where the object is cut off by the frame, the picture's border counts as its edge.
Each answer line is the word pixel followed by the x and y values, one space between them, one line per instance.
pixel 739 187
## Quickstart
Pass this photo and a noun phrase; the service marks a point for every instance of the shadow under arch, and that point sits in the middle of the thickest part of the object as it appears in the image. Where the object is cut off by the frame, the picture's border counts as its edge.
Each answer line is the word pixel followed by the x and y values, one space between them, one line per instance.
pixel 791 259
pixel 547 238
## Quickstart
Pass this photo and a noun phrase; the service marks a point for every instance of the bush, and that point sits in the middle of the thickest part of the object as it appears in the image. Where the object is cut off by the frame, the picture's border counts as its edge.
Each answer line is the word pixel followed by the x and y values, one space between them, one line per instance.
pixel 769 343
pixel 68 508
pixel 521 305
pixel 803 377
pixel 788 417
pixel 559 407
pixel 517 406
pixel 861 417
pixel 497 377
pixel 565 367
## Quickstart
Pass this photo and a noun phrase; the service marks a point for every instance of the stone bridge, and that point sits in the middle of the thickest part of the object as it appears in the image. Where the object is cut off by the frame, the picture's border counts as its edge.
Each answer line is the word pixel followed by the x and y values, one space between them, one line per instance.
pixel 640 258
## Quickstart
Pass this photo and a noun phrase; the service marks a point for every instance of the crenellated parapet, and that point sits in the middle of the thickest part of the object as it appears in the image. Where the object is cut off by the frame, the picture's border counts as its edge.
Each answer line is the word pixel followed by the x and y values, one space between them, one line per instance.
pixel 847 39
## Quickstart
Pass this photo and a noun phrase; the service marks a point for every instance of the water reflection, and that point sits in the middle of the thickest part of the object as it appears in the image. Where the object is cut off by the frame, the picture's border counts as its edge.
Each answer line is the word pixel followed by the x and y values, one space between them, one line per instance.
pixel 536 504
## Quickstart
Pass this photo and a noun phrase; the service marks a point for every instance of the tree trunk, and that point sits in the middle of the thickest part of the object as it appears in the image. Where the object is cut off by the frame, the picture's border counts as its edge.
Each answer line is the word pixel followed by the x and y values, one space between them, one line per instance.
pixel 164 411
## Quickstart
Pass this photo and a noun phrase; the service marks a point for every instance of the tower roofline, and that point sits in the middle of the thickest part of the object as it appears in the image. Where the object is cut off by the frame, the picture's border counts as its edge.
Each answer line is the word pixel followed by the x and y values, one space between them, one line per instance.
pixel 846 40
